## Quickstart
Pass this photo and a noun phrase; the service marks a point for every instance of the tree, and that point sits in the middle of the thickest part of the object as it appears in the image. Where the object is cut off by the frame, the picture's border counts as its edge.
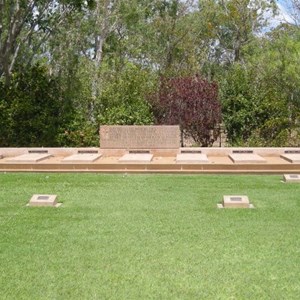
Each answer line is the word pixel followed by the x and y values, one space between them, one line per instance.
pixel 261 97
pixel 123 100
pixel 21 21
pixel 35 109
pixel 229 25
pixel 192 103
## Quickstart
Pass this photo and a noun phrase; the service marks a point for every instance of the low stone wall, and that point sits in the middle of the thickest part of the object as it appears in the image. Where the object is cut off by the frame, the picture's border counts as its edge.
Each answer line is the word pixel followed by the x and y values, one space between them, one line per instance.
pixel 218 151
pixel 139 137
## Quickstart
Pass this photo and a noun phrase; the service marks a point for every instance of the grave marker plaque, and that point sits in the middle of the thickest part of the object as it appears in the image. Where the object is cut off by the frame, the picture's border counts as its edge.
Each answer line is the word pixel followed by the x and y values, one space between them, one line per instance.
pixel 43 200
pixel 291 178
pixel 235 201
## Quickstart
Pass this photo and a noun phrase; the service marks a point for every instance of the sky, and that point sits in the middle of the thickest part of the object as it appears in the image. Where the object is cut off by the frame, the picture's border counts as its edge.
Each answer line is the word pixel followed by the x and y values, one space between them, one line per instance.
pixel 285 12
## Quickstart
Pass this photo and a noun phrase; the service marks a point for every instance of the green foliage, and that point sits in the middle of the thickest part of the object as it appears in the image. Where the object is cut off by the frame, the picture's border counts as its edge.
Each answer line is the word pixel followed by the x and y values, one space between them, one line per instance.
pixel 79 133
pixel 35 109
pixel 261 99
pixel 123 100
pixel 102 59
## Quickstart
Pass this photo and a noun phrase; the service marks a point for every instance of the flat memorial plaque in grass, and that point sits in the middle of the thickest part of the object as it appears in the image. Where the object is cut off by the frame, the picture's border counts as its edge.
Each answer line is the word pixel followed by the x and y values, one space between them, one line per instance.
pixel 291 178
pixel 43 200
pixel 149 237
pixel 235 201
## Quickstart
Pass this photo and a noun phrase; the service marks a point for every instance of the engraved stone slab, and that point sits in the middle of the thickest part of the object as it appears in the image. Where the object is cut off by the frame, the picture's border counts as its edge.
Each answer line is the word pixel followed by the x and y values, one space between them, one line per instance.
pixel 139 137
pixel 293 158
pixel 192 158
pixel 32 157
pixel 136 158
pixel 43 200
pixel 291 177
pixel 85 157
pixel 236 201
pixel 246 158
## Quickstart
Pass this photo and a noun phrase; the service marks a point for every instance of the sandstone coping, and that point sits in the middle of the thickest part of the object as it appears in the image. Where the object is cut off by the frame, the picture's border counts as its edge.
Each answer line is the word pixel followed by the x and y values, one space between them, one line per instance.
pixel 210 151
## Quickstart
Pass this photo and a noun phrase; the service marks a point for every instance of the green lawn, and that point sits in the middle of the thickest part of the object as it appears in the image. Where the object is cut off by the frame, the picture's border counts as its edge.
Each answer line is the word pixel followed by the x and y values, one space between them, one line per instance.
pixel 149 237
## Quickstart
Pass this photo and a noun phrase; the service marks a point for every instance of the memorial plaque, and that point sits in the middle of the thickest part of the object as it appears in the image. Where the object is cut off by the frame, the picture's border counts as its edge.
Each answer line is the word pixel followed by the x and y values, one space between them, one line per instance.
pixel 43 197
pixel 292 151
pixel 43 200
pixel 139 137
pixel 235 201
pixel 291 178
pixel 242 151
pixel 38 151
pixel 87 151
pixel 139 151
pixel 190 151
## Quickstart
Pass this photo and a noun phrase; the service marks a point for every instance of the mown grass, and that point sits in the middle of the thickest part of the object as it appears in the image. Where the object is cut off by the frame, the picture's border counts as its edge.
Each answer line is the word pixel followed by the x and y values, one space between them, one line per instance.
pixel 149 237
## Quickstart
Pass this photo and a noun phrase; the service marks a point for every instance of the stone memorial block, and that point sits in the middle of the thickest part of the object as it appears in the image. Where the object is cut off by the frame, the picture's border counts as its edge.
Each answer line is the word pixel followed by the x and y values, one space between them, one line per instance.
pixel 235 201
pixel 139 137
pixel 291 177
pixel 43 200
